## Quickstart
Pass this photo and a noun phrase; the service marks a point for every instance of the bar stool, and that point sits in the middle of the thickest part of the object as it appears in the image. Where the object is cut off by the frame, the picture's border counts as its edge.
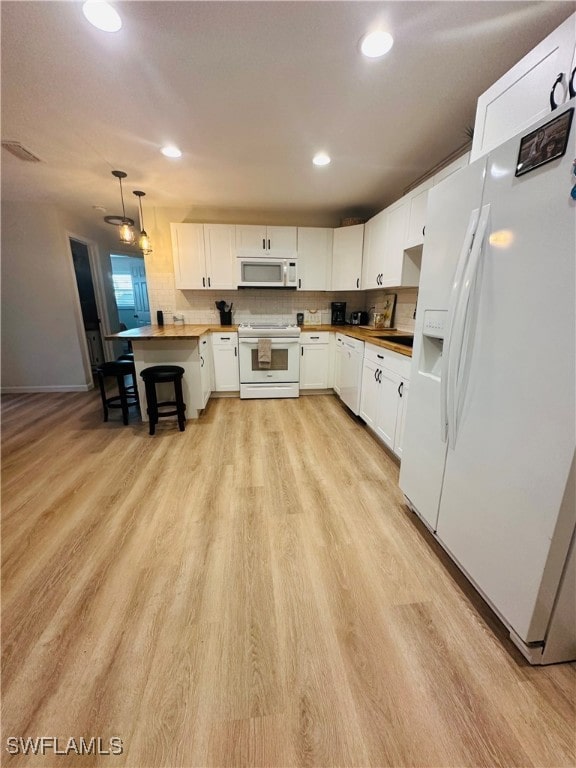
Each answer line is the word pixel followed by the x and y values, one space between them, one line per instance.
pixel 162 374
pixel 127 395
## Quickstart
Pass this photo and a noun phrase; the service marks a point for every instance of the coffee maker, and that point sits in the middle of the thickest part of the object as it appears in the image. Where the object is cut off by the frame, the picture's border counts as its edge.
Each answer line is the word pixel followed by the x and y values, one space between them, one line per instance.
pixel 338 313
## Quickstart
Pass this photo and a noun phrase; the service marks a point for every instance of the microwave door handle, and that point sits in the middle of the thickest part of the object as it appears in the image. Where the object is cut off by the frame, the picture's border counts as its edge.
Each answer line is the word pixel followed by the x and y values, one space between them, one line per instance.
pixel 285 273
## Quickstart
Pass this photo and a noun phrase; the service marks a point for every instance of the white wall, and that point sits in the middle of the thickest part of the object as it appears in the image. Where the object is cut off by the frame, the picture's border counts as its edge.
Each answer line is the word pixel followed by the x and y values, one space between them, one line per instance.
pixel 43 345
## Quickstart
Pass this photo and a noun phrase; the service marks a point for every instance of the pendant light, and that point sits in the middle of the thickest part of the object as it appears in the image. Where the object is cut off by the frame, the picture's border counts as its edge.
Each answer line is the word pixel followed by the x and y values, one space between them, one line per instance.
pixel 125 229
pixel 143 241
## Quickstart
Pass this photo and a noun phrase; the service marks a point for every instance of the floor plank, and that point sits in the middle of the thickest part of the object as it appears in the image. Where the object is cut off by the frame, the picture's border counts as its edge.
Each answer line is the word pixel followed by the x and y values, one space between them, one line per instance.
pixel 251 592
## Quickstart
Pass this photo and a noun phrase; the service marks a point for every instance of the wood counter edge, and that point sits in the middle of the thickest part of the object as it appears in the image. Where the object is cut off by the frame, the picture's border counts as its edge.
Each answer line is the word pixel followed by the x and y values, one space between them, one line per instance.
pixel 170 331
pixel 367 335
pixel 177 331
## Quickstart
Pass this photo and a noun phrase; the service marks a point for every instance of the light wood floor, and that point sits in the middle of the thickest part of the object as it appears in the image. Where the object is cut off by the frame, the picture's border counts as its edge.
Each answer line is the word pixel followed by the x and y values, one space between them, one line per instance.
pixel 249 592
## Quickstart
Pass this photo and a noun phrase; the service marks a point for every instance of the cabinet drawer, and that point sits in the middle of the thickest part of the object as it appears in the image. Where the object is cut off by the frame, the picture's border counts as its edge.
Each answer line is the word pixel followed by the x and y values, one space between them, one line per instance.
pixel 225 339
pixel 385 358
pixel 320 337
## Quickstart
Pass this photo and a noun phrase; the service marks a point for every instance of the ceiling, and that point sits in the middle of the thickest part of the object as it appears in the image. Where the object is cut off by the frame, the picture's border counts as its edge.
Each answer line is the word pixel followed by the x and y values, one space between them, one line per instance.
pixel 249 91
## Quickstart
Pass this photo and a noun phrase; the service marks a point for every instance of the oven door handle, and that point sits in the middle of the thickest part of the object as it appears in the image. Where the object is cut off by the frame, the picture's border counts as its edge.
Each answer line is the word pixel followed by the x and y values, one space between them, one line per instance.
pixel 276 341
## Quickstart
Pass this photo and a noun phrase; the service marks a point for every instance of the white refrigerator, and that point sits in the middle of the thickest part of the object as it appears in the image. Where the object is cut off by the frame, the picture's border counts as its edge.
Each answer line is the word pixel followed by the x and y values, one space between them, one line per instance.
pixel 489 442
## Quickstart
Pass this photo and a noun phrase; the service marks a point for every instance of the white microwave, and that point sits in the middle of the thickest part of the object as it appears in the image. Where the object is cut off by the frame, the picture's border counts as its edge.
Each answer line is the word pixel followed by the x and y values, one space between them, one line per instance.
pixel 258 272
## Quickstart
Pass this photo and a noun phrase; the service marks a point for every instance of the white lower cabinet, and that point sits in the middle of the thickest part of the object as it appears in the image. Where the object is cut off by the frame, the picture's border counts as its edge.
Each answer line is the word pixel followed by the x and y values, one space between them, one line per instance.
pixel 315 360
pixel 225 356
pixel 206 369
pixel 338 354
pixel 385 383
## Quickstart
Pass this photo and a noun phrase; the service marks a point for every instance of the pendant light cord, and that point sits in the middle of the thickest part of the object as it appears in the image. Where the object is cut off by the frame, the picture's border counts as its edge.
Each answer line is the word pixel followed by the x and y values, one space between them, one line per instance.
pixel 122 198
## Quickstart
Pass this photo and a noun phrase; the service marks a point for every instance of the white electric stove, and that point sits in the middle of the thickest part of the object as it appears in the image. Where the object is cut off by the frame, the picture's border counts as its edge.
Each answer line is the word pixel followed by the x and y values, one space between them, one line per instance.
pixel 281 376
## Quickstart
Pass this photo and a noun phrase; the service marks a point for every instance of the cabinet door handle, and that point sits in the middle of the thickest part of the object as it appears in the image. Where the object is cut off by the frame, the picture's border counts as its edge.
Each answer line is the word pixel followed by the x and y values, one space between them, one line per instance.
pixel 401 388
pixel 558 80
pixel 302 351
pixel 379 376
pixel 235 352
pixel 203 282
pixel 299 283
pixel 208 282
pixel 314 337
pixel 380 357
pixel 224 338
pixel 358 282
pixel 201 362
pixel 268 244
pixel 263 244
pixel 376 374
pixel 423 231
pixel 571 88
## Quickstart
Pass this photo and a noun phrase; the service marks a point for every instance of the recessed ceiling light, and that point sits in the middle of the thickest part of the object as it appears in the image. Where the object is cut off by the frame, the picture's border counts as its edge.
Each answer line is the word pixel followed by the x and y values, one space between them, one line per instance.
pixel 321 159
pixel 171 151
pixel 102 15
pixel 376 44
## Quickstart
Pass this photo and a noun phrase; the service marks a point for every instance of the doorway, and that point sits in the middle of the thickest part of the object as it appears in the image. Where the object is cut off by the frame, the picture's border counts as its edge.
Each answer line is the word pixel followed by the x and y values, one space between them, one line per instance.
pixel 130 290
pixel 88 304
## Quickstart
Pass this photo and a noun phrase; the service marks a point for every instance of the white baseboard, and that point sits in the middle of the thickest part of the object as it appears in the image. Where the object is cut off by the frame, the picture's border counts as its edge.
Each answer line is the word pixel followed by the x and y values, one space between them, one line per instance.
pixel 51 388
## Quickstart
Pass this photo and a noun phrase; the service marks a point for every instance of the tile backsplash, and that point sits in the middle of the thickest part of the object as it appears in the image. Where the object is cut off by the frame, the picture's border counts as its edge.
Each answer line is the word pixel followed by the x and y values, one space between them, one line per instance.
pixel 271 305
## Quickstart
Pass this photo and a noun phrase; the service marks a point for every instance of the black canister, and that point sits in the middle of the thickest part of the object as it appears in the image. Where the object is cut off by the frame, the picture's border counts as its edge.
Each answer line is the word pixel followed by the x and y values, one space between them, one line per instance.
pixel 160 317
pixel 300 318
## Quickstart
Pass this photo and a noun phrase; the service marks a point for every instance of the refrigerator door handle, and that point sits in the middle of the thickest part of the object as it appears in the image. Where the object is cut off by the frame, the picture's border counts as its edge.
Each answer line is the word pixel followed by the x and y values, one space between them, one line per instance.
pixel 464 327
pixel 445 389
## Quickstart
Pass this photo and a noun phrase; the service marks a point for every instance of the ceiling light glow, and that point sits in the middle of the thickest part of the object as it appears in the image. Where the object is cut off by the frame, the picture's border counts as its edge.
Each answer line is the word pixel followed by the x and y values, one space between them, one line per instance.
pixel 102 15
pixel 321 159
pixel 376 44
pixel 171 151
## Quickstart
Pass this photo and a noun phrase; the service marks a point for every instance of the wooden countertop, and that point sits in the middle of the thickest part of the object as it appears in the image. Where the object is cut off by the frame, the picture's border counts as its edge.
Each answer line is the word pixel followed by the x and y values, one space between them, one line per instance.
pixel 171 331
pixel 366 334
pixel 180 331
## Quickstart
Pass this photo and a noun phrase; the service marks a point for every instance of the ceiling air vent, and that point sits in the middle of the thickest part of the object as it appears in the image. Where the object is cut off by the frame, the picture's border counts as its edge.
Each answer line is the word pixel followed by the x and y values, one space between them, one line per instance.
pixel 20 152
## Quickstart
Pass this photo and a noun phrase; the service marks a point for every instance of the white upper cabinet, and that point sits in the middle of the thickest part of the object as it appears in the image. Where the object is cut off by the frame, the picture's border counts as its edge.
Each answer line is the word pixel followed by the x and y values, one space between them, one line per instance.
pixel 347 258
pixel 203 256
pixel 522 95
pixel 396 223
pixel 374 251
pixel 417 206
pixel 188 255
pixel 315 258
pixel 259 240
pixel 453 167
pixel 219 243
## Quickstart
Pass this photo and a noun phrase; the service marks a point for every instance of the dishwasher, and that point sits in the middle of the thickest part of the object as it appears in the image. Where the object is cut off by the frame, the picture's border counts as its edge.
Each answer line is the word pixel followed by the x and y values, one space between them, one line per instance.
pixel 351 362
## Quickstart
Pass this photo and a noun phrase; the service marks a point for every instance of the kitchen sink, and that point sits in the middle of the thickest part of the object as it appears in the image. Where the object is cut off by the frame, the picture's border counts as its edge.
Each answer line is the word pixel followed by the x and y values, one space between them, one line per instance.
pixel 405 341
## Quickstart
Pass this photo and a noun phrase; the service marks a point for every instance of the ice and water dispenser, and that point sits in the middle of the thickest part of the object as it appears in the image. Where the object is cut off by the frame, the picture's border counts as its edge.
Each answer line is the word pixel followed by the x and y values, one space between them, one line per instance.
pixel 435 322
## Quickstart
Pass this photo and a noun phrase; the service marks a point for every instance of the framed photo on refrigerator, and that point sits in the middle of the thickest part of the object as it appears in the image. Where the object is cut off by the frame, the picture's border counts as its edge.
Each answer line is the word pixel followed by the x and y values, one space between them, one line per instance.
pixel 545 143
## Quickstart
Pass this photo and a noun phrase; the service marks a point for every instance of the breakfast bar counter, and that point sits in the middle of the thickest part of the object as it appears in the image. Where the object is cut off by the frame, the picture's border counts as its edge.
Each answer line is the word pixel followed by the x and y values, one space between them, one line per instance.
pixel 176 344
pixel 172 331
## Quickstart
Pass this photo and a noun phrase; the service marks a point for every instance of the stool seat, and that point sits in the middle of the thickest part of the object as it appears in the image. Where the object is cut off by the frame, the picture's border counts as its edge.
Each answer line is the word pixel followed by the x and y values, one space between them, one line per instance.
pixel 164 374
pixel 127 394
